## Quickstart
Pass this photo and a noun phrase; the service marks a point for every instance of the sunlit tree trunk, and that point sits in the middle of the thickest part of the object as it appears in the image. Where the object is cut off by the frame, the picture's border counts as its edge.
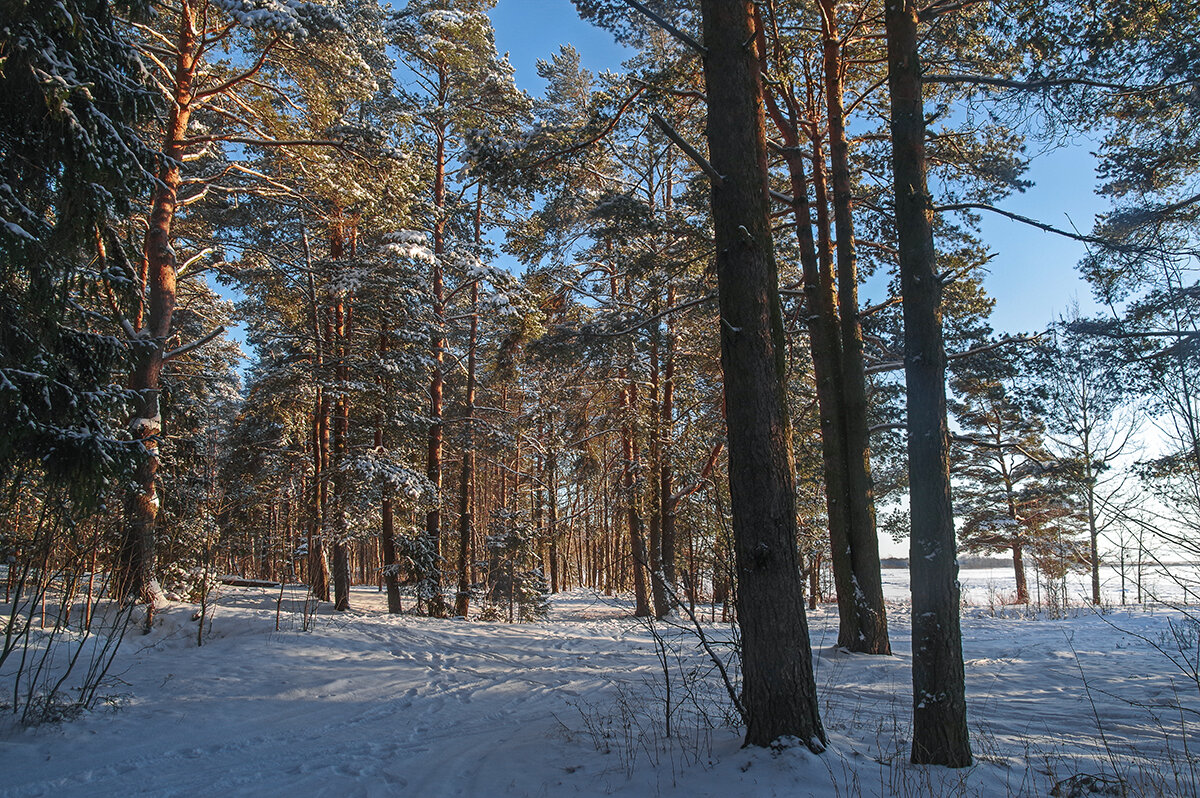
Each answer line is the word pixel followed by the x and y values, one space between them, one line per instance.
pixel 136 577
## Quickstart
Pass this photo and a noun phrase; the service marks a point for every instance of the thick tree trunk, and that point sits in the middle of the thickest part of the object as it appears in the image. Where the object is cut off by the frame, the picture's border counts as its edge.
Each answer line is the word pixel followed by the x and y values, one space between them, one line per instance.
pixel 779 693
pixel 552 519
pixel 1093 531
pixel 816 258
pixel 387 545
pixel 666 479
pixel 658 590
pixel 629 451
pixel 318 567
pixel 136 577
pixel 1017 543
pixel 939 700
pixel 827 365
pixel 466 518
pixel 387 527
pixel 1019 571
pixel 466 521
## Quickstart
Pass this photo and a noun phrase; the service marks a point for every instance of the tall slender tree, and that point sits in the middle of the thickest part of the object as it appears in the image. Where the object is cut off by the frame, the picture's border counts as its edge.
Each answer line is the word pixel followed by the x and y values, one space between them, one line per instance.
pixel 939 687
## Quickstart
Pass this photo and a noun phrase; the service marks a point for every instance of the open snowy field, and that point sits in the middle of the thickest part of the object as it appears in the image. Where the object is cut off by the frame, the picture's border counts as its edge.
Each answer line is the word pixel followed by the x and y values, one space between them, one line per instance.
pixel 994 586
pixel 368 704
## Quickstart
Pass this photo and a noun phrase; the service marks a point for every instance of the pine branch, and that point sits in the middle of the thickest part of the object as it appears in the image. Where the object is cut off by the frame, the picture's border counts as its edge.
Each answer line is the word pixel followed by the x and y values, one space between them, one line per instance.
pixel 688 150
pixel 1008 83
pixel 236 79
pixel 667 26
pixel 651 319
pixel 1049 228
pixel 897 365
pixel 183 350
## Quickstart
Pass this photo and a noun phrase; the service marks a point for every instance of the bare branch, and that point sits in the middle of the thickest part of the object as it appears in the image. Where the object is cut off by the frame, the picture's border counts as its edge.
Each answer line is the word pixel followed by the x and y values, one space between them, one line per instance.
pixel 183 350
pixel 650 320
pixel 1049 228
pixel 688 149
pixel 1008 83
pixel 249 73
pixel 667 26
pixel 896 365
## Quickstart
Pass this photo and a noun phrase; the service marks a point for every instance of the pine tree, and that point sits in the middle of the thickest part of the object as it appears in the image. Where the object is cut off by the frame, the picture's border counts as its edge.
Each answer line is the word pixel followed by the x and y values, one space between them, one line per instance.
pixel 461 84
pixel 1010 491
pixel 779 692
pixel 939 701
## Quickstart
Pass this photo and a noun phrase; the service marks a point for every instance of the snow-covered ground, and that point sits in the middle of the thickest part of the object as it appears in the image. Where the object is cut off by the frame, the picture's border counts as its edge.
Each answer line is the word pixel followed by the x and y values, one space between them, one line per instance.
pixel 993 586
pixel 368 704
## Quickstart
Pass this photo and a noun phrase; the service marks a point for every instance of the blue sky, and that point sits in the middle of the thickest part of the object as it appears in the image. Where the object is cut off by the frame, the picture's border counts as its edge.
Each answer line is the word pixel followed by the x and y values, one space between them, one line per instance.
pixel 1033 276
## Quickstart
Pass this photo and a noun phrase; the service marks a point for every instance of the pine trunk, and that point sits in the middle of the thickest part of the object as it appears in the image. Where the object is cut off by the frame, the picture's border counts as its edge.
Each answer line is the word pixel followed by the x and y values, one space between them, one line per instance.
pixel 939 696
pixel 339 330
pixel 666 479
pixel 869 634
pixel 433 461
pixel 462 600
pixel 637 534
pixel 136 577
pixel 779 692
pixel 658 590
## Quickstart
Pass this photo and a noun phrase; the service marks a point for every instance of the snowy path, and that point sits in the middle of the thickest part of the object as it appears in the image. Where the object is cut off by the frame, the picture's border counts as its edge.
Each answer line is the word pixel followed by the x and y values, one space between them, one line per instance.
pixel 372 705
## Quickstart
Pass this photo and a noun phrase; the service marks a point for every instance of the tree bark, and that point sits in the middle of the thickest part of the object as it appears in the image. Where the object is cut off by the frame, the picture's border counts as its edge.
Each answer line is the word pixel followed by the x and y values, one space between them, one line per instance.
pixel 136 577
pixel 658 589
pixel 338 332
pixel 666 472
pixel 1093 531
pixel 466 519
pixel 869 634
pixel 939 696
pixel 637 534
pixel 318 567
pixel 779 693
pixel 387 527
pixel 433 461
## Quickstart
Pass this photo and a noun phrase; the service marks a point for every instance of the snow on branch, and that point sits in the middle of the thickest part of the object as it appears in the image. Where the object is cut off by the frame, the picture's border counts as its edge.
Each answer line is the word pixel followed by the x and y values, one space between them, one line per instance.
pixel 183 350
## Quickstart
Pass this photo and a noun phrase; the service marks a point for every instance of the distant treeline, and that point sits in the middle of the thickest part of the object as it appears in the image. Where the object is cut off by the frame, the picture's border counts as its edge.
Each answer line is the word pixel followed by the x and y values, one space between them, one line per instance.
pixel 963 562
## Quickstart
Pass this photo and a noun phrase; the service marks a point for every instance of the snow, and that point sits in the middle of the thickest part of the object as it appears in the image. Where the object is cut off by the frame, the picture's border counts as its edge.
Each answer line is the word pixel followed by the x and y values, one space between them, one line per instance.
pixel 369 704
pixel 997 586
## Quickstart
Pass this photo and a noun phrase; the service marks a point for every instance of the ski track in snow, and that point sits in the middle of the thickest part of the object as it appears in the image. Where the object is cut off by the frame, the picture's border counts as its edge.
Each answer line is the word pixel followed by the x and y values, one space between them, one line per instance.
pixel 375 705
